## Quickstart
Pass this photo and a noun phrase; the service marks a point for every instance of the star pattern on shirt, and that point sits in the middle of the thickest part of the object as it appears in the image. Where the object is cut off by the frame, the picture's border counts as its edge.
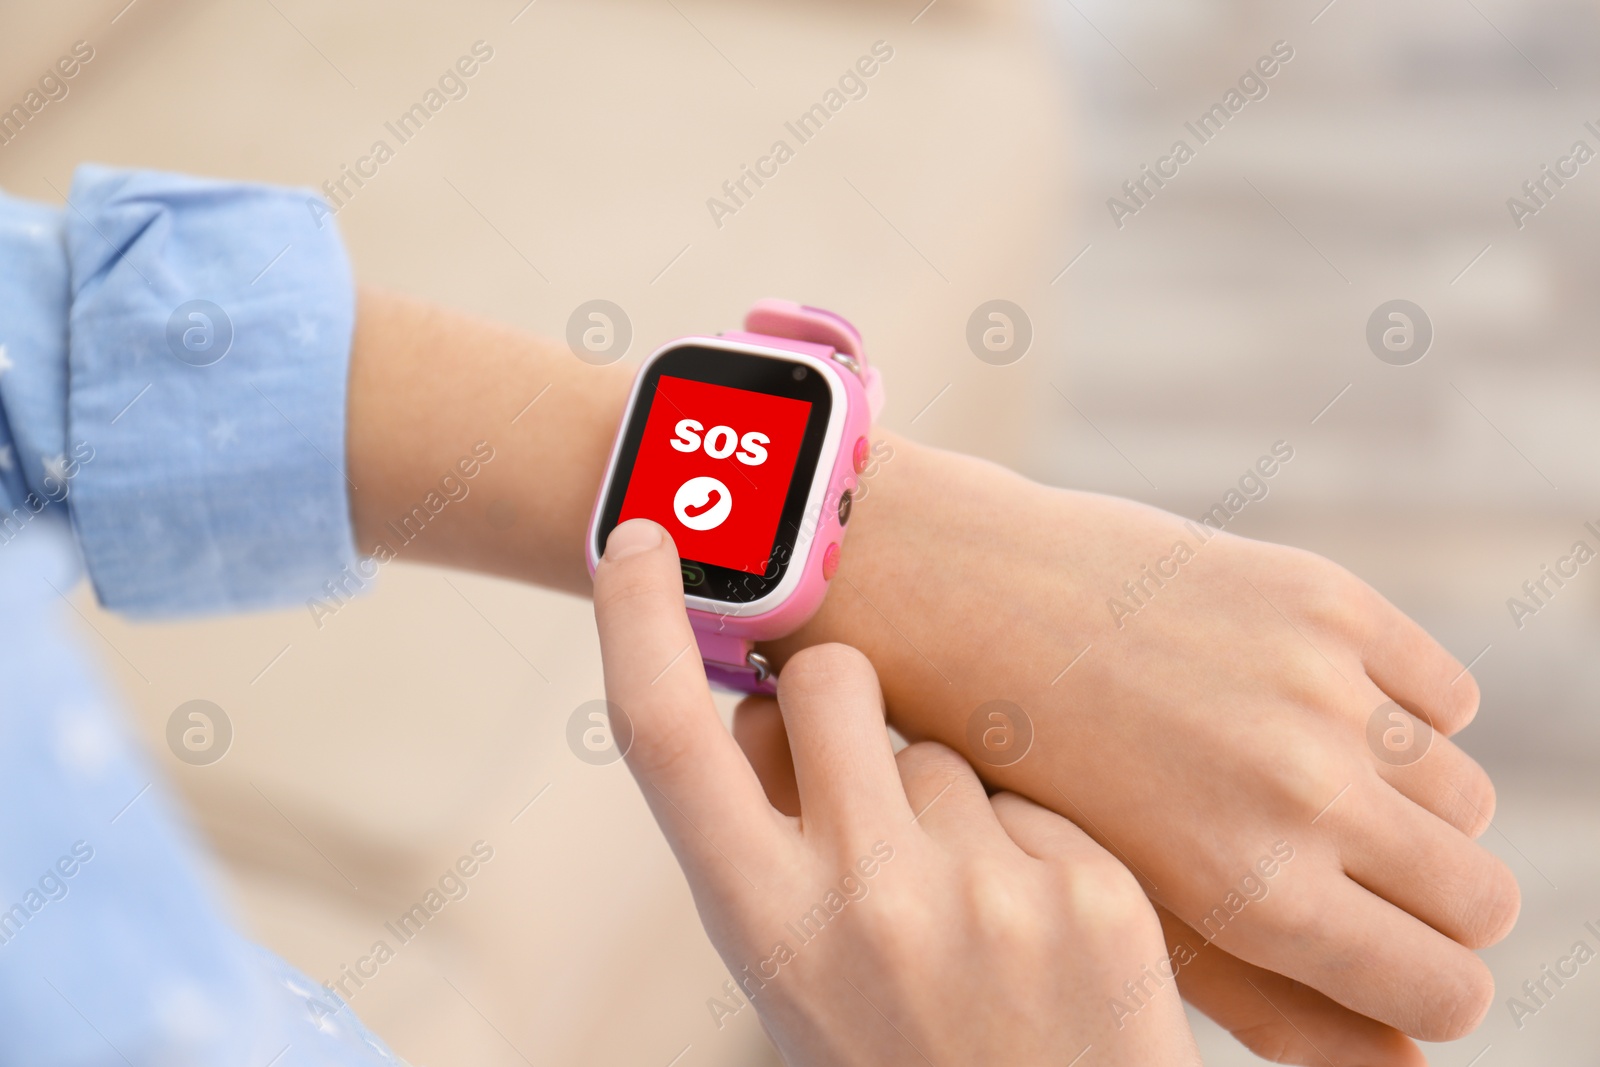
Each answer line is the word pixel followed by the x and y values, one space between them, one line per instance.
pixel 33 230
pixel 305 330
pixel 5 361
pixel 55 466
pixel 84 743
pixel 8 459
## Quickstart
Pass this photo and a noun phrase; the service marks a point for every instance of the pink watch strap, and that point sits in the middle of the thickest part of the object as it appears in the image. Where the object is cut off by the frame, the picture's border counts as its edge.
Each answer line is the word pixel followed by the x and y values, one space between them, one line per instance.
pixel 731 662
pixel 730 659
pixel 797 322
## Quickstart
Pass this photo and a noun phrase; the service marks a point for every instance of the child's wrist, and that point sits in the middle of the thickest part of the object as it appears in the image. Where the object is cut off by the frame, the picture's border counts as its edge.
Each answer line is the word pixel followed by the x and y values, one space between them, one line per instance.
pixel 880 553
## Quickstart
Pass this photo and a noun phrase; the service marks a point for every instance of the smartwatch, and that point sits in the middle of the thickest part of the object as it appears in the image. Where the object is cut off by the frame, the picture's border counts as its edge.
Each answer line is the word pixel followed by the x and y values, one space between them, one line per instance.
pixel 746 446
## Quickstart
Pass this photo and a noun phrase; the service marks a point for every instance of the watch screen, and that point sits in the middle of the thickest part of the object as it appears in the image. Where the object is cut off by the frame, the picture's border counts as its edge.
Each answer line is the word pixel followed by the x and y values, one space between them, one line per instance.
pixel 714 467
pixel 721 448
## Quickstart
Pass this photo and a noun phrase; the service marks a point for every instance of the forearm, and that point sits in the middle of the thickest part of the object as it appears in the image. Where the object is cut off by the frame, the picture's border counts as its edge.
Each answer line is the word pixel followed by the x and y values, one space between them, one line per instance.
pixel 426 385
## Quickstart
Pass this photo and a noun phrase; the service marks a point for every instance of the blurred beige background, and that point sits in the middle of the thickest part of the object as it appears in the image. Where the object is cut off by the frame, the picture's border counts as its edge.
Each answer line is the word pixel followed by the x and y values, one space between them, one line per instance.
pixel 373 751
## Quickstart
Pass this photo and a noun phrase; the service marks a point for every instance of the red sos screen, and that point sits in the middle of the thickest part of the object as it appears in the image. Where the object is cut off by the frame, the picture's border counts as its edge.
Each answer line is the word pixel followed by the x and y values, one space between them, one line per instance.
pixel 714 465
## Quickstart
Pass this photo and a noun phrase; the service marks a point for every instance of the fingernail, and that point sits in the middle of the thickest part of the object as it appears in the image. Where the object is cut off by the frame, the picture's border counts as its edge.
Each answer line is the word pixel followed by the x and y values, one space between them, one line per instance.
pixel 631 538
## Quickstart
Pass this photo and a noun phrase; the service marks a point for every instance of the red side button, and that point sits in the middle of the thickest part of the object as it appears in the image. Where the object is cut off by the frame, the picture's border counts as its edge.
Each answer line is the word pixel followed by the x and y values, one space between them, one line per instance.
pixel 862 454
pixel 830 562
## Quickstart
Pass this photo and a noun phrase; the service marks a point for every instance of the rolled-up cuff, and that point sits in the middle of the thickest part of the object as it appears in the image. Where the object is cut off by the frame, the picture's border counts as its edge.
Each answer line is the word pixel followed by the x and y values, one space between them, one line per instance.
pixel 209 356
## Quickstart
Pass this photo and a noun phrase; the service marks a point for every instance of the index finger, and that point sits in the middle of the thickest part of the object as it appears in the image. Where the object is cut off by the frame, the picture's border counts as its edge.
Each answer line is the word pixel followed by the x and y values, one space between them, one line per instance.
pixel 701 789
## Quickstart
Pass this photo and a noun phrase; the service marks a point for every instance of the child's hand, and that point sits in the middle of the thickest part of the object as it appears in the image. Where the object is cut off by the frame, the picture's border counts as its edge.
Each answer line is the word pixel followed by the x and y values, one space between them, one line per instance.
pixel 1230 710
pixel 904 917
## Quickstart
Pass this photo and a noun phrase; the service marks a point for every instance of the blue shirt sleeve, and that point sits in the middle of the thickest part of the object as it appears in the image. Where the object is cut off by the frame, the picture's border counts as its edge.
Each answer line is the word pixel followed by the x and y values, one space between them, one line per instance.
pixel 173 360
pixel 174 354
pixel 112 947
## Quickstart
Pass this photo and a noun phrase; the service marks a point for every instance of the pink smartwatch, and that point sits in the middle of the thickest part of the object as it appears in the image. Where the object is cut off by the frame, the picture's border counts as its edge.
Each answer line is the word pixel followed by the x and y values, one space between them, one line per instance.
pixel 747 448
